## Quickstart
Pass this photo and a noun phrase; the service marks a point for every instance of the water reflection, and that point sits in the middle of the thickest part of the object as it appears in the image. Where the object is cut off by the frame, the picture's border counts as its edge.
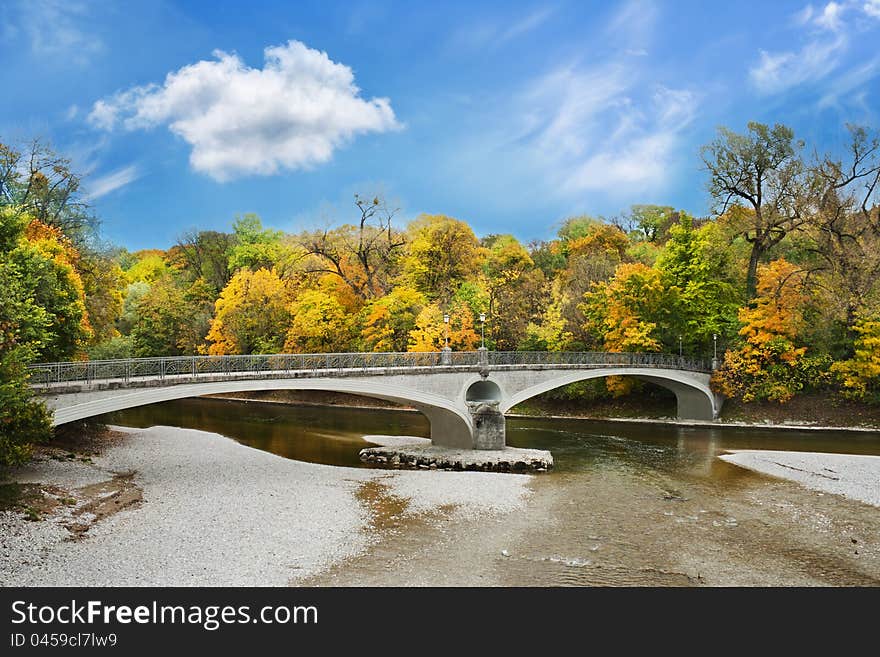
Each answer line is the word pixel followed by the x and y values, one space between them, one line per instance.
pixel 316 434
pixel 334 435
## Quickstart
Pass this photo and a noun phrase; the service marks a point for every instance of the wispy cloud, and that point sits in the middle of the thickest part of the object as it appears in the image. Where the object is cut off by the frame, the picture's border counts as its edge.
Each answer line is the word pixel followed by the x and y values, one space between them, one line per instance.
pixel 604 128
pixel 496 33
pixel 827 40
pixel 872 8
pixel 112 181
pixel 291 114
pixel 56 29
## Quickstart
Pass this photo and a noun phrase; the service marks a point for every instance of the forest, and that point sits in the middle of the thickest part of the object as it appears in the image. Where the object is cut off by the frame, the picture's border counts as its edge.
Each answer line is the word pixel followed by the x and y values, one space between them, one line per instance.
pixel 782 276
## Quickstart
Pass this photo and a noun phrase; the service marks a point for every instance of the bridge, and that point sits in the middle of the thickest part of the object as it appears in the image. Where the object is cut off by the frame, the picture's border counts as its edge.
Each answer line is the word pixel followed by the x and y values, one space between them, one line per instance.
pixel 464 395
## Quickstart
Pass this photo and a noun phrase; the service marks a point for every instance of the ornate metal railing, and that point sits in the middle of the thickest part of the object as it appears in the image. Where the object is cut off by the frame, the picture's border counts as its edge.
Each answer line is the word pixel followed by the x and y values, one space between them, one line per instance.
pixel 177 367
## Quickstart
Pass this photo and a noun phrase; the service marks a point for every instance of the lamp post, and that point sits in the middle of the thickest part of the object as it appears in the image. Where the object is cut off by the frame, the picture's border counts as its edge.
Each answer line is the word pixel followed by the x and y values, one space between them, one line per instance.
pixel 483 330
pixel 714 351
pixel 679 347
pixel 446 352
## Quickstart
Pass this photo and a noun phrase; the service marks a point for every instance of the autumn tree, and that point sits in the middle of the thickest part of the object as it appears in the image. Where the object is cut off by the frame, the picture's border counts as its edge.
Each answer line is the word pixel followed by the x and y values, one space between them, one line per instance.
pixel 252 314
pixel 769 364
pixel 364 254
pixel 430 331
pixel 701 302
pixel 515 290
pixel 25 332
pixel 389 320
pixel 763 171
pixel 845 228
pixel 442 253
pixel 40 182
pixel 860 375
pixel 318 324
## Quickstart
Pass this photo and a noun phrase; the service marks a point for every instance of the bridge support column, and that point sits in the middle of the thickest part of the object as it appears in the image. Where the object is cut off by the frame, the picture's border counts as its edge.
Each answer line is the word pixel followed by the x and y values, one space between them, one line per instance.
pixel 489 425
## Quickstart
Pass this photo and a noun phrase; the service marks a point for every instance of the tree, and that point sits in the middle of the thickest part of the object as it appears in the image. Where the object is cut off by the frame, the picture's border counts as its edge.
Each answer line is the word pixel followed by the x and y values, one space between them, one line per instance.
pixel 172 319
pixel 515 289
pixel 388 320
pixel 762 171
pixel 860 375
pixel 625 311
pixel 40 182
pixel 362 255
pixel 25 331
pixel 443 253
pixel 701 301
pixel 103 286
pixel 253 246
pixel 318 324
pixel 430 331
pixel 769 364
pixel 652 222
pixel 845 229
pixel 44 261
pixel 252 314
pixel 462 336
pixel 205 254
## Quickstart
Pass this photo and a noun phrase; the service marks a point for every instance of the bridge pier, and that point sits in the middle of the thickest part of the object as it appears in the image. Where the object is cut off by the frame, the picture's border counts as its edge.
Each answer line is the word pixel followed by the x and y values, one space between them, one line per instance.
pixel 489 425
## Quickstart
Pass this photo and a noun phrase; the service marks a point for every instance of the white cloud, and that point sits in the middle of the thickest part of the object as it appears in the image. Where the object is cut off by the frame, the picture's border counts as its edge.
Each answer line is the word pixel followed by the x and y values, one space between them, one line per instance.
pixel 112 181
pixel 872 8
pixel 291 114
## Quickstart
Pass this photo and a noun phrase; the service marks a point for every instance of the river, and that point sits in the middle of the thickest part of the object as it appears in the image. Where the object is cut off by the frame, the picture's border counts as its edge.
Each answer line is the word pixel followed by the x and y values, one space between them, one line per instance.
pixel 627 503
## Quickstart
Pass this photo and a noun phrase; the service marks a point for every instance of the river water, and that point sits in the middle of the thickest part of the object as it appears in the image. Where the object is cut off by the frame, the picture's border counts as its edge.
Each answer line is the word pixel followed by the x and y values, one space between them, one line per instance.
pixel 627 503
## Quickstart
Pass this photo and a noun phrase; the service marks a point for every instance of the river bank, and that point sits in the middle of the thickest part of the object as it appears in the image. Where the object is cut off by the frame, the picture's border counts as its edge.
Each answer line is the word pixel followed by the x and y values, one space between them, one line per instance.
pixel 213 512
pixel 196 508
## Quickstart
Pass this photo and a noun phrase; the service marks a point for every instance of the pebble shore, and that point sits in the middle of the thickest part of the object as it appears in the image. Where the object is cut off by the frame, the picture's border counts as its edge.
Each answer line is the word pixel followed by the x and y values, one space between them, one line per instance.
pixel 216 513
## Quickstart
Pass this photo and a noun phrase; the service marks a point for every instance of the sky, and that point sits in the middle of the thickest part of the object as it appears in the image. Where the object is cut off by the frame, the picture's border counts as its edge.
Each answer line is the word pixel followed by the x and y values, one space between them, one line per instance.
pixel 509 115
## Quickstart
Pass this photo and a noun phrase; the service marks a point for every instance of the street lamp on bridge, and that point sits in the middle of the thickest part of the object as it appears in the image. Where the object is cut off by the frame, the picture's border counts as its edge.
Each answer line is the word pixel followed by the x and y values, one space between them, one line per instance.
pixel 483 330
pixel 446 328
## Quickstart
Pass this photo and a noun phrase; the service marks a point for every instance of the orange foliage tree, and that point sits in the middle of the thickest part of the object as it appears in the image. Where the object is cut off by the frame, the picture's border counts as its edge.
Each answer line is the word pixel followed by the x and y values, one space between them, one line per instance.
pixel 769 365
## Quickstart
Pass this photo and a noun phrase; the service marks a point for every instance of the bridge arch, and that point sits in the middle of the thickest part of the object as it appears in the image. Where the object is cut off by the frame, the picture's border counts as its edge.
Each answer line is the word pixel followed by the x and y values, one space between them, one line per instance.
pixel 694 397
pixel 450 424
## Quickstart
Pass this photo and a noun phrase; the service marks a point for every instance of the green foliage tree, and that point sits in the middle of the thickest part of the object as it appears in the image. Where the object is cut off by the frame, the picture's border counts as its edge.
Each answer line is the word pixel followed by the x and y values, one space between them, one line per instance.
pixel 25 331
pixel 763 171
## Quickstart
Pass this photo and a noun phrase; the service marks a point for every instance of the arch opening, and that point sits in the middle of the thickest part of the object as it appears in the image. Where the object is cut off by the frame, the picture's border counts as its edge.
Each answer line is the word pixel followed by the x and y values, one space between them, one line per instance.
pixel 483 391
pixel 694 398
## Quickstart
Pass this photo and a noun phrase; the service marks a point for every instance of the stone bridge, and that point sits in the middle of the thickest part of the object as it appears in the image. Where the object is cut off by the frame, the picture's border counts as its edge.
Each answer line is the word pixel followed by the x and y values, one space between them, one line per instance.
pixel 464 395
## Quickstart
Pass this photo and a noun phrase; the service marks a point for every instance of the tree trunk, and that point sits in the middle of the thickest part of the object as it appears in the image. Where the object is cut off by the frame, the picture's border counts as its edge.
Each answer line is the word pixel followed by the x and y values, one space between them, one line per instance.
pixel 752 275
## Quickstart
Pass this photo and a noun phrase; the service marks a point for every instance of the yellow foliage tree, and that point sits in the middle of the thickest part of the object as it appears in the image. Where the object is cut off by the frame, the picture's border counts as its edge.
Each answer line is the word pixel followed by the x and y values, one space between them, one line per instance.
pixel 319 324
pixel 462 335
pixel 429 333
pixel 251 315
pixel 768 364
pixel 860 375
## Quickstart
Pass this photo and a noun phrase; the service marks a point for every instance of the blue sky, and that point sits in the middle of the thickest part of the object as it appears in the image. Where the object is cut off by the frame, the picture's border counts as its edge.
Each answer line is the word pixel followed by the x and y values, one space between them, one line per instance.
pixel 509 115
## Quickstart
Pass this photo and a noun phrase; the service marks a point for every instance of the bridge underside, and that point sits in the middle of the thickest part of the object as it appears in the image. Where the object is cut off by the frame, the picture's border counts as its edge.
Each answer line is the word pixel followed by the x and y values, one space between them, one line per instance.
pixel 450 426
pixel 465 406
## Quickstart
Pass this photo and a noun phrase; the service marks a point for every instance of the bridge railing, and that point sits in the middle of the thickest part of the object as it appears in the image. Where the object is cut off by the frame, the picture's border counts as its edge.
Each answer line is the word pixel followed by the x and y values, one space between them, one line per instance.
pixel 598 359
pixel 193 366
